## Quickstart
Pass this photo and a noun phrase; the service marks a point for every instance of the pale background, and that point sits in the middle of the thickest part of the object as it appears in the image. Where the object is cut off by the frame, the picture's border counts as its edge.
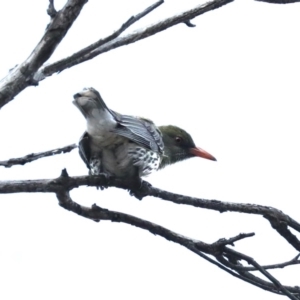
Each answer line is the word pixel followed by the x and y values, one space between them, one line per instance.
pixel 232 82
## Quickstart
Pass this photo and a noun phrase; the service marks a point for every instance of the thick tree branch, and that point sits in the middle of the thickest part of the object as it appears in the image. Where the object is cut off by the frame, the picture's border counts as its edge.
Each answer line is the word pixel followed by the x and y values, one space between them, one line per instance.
pixel 277 218
pixel 31 71
pixel 22 75
pixel 216 249
pixel 34 156
pixel 279 221
pixel 131 38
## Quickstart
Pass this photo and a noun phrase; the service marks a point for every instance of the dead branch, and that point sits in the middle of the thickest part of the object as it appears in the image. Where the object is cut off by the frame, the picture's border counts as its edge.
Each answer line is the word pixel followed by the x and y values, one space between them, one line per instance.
pixel 83 55
pixel 28 72
pixel 33 70
pixel 218 249
pixel 34 156
pixel 22 75
pixel 279 221
pixel 51 11
pixel 293 261
pixel 112 36
pixel 250 260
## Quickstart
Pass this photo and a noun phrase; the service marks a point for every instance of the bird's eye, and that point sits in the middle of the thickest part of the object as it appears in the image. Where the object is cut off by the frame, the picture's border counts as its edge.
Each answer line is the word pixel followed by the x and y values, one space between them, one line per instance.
pixel 178 139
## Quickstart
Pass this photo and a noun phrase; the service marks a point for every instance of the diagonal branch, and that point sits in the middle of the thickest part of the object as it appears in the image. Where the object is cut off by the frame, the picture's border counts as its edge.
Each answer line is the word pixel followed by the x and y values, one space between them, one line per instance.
pixel 31 71
pixel 22 76
pixel 114 35
pixel 251 261
pixel 278 220
pixel 231 260
pixel 291 262
pixel 184 17
pixel 216 249
pixel 34 156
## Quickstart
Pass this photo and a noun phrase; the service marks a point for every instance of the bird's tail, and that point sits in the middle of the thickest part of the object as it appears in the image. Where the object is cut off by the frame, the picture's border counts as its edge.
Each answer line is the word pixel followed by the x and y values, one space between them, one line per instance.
pixel 88 101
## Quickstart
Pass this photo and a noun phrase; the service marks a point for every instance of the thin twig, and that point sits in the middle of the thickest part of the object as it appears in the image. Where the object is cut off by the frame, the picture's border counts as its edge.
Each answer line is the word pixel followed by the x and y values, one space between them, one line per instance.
pixel 251 261
pixel 183 17
pixel 231 241
pixel 291 262
pixel 34 156
pixel 114 35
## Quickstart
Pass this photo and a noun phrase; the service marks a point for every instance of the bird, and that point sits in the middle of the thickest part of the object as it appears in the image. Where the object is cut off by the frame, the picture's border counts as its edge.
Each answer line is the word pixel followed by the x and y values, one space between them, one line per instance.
pixel 127 146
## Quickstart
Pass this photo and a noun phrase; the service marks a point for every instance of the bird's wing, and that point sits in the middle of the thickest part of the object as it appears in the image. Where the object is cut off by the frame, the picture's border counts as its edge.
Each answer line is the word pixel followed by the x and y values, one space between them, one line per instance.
pixel 140 131
pixel 84 149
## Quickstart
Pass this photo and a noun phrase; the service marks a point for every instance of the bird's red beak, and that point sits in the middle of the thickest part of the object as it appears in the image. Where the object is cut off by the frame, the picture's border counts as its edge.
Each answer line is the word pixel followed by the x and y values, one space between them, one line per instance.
pixel 201 153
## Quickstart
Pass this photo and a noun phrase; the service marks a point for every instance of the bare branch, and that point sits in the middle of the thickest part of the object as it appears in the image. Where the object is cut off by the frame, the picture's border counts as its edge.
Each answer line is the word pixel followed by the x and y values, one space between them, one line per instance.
pixel 30 72
pixel 184 17
pixel 22 76
pixel 291 262
pixel 232 261
pixel 51 11
pixel 216 249
pixel 241 236
pixel 34 156
pixel 114 35
pixel 189 24
pixel 251 261
pixel 33 70
pixel 279 221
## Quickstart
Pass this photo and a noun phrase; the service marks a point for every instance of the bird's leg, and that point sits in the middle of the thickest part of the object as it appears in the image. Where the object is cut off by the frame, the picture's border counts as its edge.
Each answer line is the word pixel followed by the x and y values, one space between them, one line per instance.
pixel 140 186
pixel 96 168
pixel 95 165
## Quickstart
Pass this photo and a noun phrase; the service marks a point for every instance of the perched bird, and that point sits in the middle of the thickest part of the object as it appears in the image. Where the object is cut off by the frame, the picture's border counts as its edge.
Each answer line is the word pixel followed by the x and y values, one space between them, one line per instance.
pixel 128 146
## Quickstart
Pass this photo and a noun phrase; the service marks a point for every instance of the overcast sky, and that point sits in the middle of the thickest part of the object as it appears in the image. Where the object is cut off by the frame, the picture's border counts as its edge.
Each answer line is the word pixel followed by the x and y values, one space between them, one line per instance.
pixel 232 82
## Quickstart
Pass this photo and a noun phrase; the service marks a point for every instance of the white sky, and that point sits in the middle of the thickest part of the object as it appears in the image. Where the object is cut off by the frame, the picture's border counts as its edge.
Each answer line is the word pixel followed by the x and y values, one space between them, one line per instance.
pixel 232 82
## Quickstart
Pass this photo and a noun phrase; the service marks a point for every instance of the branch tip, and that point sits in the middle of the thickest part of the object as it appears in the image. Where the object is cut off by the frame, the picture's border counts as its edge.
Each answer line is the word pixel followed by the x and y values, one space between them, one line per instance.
pixel 189 24
pixel 34 156
pixel 51 11
pixel 64 173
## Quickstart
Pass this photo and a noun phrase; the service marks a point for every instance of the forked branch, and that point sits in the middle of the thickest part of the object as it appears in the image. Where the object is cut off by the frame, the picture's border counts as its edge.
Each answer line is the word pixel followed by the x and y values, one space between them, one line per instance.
pixel 225 258
pixel 279 221
pixel 22 75
pixel 108 44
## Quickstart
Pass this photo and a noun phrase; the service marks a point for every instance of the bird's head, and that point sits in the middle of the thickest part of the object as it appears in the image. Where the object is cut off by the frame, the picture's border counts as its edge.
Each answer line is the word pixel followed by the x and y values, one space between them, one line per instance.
pixel 179 145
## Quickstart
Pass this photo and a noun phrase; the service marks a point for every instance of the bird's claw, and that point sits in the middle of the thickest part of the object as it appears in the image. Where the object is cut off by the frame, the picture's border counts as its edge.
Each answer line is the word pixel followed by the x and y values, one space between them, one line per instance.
pixel 107 178
pixel 140 191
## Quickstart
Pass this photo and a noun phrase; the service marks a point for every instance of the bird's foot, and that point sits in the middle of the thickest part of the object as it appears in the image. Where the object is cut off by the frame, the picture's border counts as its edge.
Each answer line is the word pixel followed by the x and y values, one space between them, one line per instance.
pixel 140 189
pixel 106 180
